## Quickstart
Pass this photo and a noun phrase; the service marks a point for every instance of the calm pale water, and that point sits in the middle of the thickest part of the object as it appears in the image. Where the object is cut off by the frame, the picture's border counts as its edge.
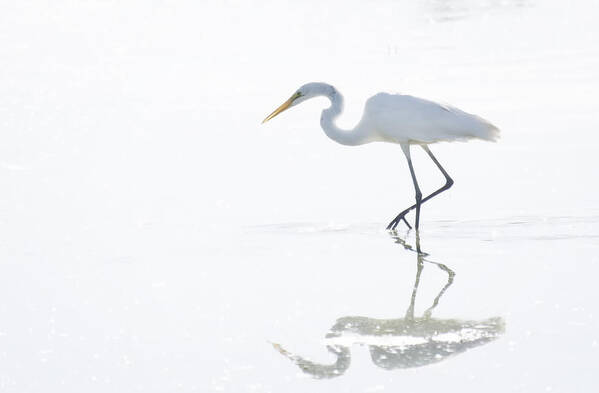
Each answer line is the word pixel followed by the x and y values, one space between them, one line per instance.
pixel 155 237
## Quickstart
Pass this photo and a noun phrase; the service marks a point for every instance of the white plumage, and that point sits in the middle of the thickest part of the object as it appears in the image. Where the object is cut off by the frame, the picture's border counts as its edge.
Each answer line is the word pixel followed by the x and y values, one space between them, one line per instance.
pixel 406 119
pixel 398 118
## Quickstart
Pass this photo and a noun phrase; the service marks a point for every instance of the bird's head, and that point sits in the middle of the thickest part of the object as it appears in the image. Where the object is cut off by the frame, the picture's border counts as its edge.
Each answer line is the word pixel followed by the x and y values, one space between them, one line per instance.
pixel 307 91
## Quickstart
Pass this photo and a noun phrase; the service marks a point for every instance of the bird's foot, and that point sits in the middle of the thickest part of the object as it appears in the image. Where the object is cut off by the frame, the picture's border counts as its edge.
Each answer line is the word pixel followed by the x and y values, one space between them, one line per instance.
pixel 401 216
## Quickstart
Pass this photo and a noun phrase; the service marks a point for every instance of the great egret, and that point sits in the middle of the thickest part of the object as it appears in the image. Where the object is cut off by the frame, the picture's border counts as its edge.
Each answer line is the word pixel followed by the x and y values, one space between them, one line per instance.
pixel 397 118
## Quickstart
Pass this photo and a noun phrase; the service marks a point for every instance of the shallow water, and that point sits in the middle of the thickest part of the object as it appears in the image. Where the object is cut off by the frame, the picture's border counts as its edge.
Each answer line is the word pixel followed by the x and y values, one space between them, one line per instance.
pixel 155 237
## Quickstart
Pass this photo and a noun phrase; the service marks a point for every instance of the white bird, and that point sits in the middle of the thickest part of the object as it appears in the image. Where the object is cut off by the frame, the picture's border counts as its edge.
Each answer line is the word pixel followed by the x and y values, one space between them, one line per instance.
pixel 397 118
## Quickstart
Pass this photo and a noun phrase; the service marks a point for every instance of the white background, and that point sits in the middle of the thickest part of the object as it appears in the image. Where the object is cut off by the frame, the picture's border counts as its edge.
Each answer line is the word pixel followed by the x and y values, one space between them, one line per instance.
pixel 154 236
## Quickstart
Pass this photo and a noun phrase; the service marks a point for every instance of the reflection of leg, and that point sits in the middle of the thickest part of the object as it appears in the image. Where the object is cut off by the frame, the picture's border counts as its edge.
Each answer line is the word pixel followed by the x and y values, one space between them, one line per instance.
pixel 399 240
pixel 407 246
pixel 420 259
pixel 420 266
pixel 450 276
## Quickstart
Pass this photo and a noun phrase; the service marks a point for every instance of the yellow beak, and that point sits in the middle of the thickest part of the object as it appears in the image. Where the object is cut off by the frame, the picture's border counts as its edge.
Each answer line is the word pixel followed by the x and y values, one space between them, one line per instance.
pixel 282 108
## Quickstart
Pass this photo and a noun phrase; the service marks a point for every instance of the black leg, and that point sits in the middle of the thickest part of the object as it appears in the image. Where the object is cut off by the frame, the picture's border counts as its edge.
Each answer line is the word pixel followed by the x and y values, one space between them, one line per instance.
pixel 448 183
pixel 418 193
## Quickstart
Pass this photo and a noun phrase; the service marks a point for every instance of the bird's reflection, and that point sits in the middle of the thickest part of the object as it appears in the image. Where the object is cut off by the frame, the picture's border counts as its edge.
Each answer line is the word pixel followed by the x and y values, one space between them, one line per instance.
pixel 405 342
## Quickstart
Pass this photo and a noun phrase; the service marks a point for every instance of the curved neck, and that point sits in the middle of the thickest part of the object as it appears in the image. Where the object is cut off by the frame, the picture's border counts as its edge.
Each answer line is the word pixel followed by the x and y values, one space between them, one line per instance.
pixel 327 122
pixel 319 370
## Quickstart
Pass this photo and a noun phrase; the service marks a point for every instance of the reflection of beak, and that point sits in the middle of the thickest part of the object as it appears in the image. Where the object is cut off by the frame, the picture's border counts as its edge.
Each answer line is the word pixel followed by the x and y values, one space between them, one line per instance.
pixel 282 108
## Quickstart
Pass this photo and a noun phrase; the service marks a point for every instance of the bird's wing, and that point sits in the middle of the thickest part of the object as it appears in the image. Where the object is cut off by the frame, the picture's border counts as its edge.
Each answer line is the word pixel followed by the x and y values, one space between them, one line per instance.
pixel 405 118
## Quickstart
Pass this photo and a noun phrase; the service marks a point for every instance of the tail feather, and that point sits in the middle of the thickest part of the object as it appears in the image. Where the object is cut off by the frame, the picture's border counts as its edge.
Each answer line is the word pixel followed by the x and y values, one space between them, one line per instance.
pixel 486 131
pixel 493 134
